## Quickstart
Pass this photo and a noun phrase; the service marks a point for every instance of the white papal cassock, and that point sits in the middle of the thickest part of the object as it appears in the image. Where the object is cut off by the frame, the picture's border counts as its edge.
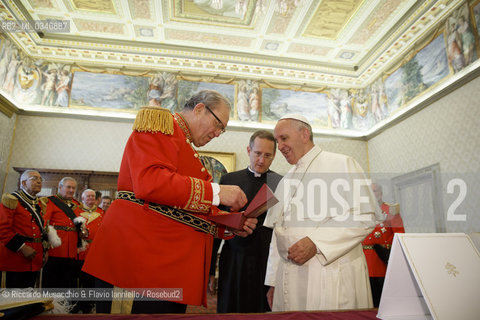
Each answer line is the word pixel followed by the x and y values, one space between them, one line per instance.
pixel 326 197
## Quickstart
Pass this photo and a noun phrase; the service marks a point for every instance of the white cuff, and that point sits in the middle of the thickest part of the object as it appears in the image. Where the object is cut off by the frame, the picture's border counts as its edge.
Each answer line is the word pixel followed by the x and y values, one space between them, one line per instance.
pixel 216 196
pixel 23 245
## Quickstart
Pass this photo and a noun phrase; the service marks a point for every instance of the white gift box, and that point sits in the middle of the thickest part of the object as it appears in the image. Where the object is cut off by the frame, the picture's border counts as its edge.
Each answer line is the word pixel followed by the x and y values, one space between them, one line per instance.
pixel 431 276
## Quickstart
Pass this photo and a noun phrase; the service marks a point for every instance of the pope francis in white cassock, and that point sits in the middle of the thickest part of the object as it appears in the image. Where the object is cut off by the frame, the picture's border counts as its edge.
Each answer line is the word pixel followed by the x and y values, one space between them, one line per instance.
pixel 326 209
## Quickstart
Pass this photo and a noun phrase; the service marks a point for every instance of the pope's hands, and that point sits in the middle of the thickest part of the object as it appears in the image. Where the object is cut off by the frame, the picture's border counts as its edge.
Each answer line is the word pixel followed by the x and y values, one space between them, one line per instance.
pixel 248 227
pixel 232 196
pixel 302 251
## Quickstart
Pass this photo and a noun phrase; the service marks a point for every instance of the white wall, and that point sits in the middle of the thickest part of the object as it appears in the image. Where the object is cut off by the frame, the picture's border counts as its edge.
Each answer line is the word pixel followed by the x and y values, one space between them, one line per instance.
pixel 65 143
pixel 448 133
pixel 237 141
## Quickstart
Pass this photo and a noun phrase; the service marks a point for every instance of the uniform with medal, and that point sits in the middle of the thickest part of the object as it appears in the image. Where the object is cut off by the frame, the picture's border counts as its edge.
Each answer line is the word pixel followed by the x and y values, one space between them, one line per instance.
pixel 93 219
pixel 377 245
pixel 59 271
pixel 156 233
pixel 21 224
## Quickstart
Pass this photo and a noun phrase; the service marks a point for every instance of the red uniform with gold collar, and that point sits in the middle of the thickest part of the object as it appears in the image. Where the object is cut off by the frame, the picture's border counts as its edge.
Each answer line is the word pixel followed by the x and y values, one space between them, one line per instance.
pixel 94 219
pixel 137 247
pixel 19 226
pixel 383 235
pixel 65 228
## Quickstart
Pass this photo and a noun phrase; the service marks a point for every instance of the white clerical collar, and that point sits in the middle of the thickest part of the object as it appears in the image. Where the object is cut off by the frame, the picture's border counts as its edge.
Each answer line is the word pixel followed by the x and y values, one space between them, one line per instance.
pixel 308 157
pixel 255 174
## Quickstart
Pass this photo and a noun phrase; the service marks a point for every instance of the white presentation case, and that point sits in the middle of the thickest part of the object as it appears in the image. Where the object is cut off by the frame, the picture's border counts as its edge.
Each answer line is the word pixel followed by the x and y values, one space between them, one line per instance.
pixel 431 276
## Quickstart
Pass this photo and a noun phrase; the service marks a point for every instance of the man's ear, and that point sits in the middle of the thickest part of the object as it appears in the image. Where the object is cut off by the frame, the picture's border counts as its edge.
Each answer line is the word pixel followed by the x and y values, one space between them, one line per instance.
pixel 248 150
pixel 199 108
pixel 305 135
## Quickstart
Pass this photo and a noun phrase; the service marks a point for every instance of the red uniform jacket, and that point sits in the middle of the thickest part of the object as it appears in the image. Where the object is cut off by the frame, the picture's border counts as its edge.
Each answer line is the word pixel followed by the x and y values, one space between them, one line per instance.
pixel 17 227
pixel 136 247
pixel 60 221
pixel 94 219
pixel 383 235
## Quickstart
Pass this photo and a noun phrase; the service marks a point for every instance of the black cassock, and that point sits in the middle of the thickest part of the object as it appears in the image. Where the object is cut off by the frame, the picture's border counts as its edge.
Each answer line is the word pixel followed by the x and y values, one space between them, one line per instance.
pixel 243 261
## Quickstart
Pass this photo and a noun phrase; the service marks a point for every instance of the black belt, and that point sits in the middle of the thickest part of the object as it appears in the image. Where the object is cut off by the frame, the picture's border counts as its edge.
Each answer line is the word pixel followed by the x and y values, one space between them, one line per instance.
pixel 181 216
pixel 370 247
pixel 64 228
pixel 33 240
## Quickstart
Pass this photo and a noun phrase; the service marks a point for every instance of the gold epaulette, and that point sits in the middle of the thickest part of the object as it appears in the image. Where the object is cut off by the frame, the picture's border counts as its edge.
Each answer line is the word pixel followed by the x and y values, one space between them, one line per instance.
pixel 43 200
pixel 154 119
pixel 9 201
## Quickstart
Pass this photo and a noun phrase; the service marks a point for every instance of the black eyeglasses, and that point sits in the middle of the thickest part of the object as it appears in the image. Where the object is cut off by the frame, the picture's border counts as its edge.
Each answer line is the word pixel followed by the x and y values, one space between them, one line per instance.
pixel 219 124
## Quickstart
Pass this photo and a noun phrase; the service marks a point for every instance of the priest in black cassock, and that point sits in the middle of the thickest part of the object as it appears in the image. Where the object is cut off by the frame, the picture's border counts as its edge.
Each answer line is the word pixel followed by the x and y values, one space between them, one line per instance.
pixel 243 261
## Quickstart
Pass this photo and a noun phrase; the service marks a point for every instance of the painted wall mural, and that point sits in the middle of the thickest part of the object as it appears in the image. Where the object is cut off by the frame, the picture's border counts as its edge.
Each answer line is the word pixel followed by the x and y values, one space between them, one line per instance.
pixel 277 102
pixel 461 43
pixel 425 69
pixel 248 106
pixel 110 91
pixel 54 85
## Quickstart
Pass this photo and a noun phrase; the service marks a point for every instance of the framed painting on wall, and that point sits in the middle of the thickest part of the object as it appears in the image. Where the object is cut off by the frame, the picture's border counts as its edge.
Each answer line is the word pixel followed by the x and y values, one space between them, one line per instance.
pixel 218 163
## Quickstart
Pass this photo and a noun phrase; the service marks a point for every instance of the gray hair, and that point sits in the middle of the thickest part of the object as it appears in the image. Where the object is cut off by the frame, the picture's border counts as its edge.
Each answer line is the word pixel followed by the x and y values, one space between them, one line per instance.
pixel 64 179
pixel 211 98
pixel 84 191
pixel 302 125
pixel 25 175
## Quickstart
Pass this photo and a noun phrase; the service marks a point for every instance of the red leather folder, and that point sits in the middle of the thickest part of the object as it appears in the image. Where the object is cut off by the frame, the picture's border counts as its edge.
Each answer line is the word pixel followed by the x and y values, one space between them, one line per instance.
pixel 263 200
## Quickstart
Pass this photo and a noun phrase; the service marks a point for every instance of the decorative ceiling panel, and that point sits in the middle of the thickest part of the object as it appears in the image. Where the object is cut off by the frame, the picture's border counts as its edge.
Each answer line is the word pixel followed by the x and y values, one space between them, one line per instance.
pixel 105 6
pixel 141 9
pixel 331 17
pixel 198 11
pixel 337 42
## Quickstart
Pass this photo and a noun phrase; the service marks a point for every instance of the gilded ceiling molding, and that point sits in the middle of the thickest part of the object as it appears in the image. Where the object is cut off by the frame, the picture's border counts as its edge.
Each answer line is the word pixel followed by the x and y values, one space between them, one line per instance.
pixel 206 79
pixel 137 74
pixel 96 70
pixel 6 107
pixel 293 87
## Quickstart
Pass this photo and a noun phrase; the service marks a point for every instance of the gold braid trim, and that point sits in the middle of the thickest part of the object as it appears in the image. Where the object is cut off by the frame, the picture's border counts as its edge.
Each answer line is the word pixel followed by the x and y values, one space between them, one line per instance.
pixel 154 119
pixel 43 205
pixel 9 201
pixel 178 215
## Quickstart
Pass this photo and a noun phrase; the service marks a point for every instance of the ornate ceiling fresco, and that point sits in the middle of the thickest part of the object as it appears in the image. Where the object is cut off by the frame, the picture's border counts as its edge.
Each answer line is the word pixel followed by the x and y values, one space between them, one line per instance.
pixel 351 66
pixel 341 43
